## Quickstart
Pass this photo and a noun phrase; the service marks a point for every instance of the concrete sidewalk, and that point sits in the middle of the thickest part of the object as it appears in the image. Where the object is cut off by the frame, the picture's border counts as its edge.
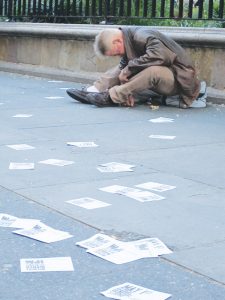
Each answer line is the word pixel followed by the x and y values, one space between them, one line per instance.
pixel 190 220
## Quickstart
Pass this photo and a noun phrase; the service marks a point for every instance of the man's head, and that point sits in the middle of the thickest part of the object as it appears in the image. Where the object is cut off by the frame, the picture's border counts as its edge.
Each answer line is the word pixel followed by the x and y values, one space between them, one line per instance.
pixel 109 42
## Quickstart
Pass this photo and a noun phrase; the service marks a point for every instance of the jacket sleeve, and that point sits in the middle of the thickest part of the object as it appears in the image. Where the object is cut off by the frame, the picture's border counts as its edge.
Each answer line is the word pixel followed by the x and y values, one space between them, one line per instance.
pixel 156 54
pixel 123 62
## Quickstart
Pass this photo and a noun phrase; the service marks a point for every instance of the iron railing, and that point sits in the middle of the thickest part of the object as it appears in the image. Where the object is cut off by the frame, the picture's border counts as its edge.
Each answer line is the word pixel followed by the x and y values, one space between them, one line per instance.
pixel 97 10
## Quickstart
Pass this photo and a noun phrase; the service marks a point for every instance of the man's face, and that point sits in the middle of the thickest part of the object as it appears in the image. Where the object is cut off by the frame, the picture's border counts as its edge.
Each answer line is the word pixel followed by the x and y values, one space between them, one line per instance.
pixel 117 48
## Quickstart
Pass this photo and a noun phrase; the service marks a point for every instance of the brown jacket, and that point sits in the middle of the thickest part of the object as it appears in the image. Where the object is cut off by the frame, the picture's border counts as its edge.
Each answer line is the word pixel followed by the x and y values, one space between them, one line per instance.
pixel 145 47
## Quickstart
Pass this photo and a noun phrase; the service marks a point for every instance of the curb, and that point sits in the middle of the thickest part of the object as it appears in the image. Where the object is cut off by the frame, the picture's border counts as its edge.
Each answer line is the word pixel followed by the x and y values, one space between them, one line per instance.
pixel 215 96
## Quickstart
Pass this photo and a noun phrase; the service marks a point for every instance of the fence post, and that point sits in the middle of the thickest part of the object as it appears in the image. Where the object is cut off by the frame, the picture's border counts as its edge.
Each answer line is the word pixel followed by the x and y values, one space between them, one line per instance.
pixel 1 7
pixel 107 11
pixel 171 8
pixel 10 9
pixel 221 9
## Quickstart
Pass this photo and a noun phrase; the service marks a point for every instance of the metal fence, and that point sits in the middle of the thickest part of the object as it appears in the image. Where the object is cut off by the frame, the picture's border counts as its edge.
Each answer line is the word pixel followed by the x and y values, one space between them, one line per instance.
pixel 94 11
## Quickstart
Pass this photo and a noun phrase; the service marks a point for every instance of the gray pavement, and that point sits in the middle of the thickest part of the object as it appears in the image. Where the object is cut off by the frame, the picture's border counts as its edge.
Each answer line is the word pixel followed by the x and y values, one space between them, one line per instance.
pixel 190 221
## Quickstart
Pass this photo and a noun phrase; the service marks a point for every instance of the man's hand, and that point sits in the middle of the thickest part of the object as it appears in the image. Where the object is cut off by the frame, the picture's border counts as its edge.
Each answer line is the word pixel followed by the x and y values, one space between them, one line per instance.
pixel 123 77
pixel 130 101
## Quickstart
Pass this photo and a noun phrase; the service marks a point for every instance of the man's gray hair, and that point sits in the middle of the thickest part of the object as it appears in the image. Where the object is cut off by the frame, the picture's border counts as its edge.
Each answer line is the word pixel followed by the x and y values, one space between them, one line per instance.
pixel 103 41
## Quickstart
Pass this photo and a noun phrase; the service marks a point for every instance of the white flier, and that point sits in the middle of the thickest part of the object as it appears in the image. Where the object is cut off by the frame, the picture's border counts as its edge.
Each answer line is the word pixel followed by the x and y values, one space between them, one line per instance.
pixel 82 144
pixel 162 137
pixel 155 186
pixel 22 116
pixel 21 166
pixel 43 233
pixel 88 203
pixel 50 264
pixel 114 167
pixel 56 162
pixel 92 89
pixel 130 291
pixel 21 147
pixel 161 120
pixel 95 241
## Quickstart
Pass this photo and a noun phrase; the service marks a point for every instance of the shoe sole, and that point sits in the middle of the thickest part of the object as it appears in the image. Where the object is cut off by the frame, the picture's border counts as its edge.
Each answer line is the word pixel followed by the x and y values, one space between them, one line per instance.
pixel 76 97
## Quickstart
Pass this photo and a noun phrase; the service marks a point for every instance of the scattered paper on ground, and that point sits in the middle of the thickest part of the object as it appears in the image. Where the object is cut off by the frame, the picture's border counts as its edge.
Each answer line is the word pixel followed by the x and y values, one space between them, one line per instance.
pixel 155 186
pixel 144 247
pixel 119 252
pixel 46 264
pixel 56 162
pixel 130 291
pixel 139 195
pixel 11 221
pixel 88 203
pixel 82 144
pixel 144 196
pixel 21 166
pixel 161 120
pixel 162 137
pixel 22 116
pixel 154 245
pixel 114 167
pixel 118 189
pixel 44 233
pixel 116 252
pixel 21 147
pixel 154 107
pixel 54 97
pixel 95 241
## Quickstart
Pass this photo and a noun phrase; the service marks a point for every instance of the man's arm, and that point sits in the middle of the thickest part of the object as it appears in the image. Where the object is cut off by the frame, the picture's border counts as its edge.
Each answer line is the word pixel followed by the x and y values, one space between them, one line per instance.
pixel 156 54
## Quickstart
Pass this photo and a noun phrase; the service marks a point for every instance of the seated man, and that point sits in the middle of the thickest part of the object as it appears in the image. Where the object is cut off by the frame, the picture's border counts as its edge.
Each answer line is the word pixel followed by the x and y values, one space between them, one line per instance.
pixel 152 66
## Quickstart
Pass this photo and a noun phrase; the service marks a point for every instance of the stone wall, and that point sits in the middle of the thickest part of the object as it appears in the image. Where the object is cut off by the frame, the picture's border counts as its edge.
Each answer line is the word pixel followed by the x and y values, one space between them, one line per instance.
pixel 66 51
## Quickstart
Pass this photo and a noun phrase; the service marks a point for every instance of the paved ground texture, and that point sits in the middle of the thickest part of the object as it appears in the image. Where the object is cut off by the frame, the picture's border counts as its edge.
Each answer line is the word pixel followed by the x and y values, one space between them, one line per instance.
pixel 190 220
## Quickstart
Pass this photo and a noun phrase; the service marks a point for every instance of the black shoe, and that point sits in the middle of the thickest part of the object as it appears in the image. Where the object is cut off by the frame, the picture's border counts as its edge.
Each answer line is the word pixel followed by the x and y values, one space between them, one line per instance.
pixel 79 95
pixel 100 99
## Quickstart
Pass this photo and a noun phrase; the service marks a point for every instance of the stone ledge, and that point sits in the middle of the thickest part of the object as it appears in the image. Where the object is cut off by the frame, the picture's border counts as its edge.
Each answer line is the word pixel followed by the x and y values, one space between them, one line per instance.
pixel 54 73
pixel 215 96
pixel 186 36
